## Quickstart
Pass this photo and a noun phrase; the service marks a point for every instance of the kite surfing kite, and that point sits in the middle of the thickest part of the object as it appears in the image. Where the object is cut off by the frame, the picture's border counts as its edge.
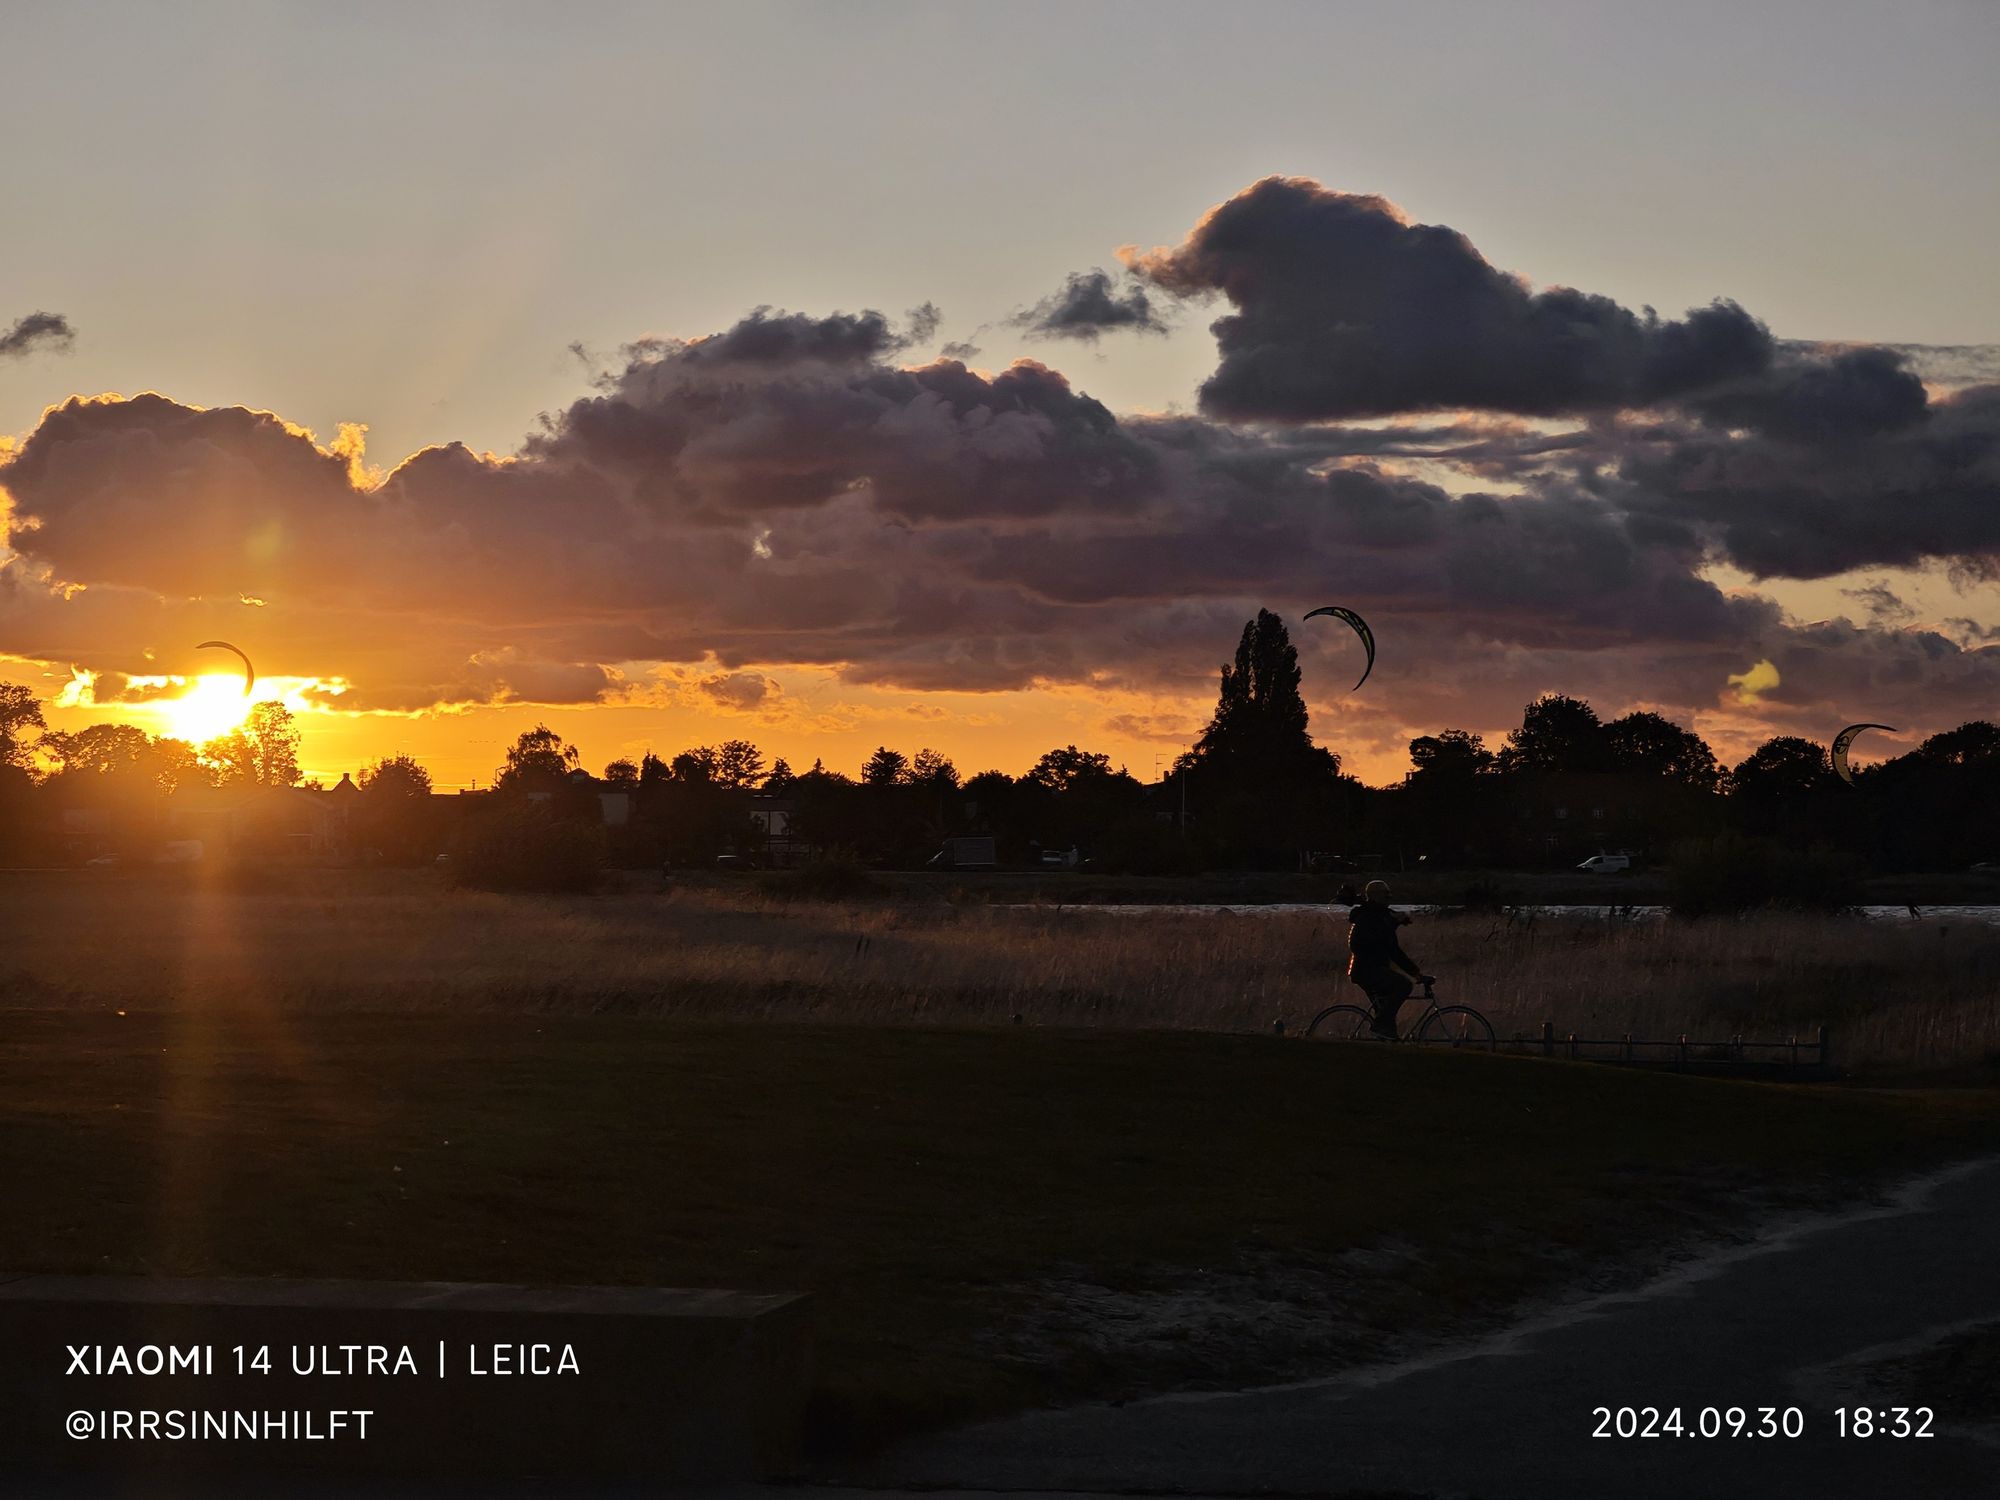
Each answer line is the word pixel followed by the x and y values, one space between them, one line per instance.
pixel 249 672
pixel 1361 629
pixel 1845 738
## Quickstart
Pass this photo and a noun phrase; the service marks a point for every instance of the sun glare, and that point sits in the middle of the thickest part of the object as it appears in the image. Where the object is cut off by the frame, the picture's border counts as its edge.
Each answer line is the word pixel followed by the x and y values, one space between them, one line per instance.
pixel 211 707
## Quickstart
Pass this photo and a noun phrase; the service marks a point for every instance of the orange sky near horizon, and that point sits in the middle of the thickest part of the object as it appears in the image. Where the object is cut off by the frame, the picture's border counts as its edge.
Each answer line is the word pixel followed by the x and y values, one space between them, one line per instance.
pixel 812 715
pixel 815 716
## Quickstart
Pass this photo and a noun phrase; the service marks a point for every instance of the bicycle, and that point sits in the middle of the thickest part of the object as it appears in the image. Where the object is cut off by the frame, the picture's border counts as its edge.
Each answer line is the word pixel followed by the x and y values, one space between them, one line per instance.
pixel 1458 1026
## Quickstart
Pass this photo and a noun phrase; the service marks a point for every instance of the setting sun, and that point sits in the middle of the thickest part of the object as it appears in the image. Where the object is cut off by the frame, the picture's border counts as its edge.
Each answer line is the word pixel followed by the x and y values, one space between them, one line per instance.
pixel 212 706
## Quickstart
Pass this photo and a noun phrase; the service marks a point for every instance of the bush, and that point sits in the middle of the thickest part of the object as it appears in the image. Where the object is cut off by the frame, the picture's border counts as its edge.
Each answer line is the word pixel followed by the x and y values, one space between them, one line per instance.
pixel 1731 873
pixel 520 847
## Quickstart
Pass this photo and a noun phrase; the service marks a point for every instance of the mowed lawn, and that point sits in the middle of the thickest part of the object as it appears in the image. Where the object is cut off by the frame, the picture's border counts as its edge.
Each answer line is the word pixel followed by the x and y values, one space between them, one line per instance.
pixel 986 1219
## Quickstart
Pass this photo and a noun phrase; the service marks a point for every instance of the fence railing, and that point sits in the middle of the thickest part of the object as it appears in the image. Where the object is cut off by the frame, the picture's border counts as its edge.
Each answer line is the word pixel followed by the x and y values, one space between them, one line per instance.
pixel 1681 1052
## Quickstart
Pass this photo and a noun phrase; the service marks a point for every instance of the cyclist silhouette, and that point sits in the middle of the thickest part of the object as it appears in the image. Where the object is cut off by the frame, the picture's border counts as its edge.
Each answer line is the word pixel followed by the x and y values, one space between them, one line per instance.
pixel 1375 957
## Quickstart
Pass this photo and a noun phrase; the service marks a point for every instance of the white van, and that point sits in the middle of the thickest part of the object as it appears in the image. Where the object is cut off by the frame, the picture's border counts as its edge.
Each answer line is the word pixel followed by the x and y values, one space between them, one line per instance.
pixel 1606 864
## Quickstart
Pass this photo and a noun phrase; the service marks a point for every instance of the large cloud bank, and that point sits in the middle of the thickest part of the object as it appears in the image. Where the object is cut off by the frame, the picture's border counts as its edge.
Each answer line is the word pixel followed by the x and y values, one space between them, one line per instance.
pixel 1558 473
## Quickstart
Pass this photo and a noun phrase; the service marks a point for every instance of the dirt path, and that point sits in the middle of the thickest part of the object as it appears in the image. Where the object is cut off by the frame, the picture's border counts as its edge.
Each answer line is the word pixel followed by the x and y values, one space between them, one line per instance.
pixel 1818 1314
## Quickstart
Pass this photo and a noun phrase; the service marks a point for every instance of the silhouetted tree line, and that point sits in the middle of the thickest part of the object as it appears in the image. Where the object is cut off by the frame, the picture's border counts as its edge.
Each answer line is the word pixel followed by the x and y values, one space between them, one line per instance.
pixel 1254 791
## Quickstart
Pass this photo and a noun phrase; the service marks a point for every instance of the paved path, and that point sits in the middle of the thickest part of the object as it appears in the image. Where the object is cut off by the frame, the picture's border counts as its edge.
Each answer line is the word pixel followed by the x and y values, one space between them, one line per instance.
pixel 1781 1322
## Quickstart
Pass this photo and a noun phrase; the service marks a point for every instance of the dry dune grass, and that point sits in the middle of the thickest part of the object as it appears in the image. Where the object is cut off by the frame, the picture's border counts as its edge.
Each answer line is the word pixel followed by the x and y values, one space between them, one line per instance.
pixel 1897 994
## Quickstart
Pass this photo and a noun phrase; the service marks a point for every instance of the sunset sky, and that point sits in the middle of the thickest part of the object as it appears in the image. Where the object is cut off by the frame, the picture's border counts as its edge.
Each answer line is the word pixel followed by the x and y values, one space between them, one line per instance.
pixel 845 375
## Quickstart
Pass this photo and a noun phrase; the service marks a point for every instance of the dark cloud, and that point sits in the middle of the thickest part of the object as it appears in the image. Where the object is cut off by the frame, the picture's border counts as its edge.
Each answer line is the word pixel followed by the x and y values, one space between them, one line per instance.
pixel 786 493
pixel 1971 632
pixel 922 324
pixel 768 338
pixel 1883 604
pixel 1777 506
pixel 1855 395
pixel 1089 305
pixel 37 331
pixel 1553 570
pixel 740 692
pixel 960 349
pixel 153 494
pixel 1344 308
pixel 702 435
pixel 1947 365
pixel 510 674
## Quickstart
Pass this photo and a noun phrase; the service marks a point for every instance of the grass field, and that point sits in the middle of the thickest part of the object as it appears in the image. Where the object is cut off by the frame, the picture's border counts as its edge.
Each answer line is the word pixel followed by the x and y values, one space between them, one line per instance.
pixel 1135 1187
pixel 1909 996
pixel 986 1218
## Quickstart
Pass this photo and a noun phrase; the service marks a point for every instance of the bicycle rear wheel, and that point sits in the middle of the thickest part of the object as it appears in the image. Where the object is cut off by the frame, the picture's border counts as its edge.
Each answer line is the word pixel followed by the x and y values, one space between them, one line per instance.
pixel 1456 1026
pixel 1344 1023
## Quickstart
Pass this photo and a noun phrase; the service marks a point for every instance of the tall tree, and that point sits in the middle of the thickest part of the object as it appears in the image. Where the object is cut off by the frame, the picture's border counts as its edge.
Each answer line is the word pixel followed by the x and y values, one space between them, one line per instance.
pixel 696 767
pixel 175 764
pixel 264 752
pixel 885 767
pixel 1449 801
pixel 1649 745
pixel 124 751
pixel 1780 768
pixel 1976 743
pixel 932 769
pixel 1557 733
pixel 539 761
pixel 738 764
pixel 1450 755
pixel 987 797
pixel 1259 714
pixel 1259 787
pixel 20 712
pixel 20 715
pixel 395 776
pixel 97 749
pixel 394 815
pixel 1068 768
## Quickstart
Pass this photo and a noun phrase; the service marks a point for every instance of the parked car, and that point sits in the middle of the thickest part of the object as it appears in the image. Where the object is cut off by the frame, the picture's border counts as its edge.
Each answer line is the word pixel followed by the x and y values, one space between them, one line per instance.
pixel 1607 864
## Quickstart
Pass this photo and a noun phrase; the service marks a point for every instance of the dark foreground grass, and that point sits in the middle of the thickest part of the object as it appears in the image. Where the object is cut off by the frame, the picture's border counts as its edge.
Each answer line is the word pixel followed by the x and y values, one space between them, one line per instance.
pixel 986 1219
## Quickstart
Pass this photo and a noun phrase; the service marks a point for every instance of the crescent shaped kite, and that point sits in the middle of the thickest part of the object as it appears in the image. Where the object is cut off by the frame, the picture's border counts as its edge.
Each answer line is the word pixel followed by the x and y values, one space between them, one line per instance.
pixel 249 672
pixel 1845 738
pixel 1360 627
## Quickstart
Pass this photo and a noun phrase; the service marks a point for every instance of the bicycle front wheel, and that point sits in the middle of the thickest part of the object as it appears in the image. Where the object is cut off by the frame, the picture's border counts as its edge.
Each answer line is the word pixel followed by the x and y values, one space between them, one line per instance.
pixel 1456 1026
pixel 1343 1023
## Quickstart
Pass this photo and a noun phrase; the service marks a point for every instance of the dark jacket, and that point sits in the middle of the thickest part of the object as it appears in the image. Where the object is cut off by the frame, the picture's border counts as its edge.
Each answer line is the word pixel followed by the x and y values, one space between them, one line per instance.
pixel 1372 944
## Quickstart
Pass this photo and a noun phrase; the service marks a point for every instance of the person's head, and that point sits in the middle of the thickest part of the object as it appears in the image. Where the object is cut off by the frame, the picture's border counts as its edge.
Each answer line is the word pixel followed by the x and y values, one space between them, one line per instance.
pixel 1375 890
